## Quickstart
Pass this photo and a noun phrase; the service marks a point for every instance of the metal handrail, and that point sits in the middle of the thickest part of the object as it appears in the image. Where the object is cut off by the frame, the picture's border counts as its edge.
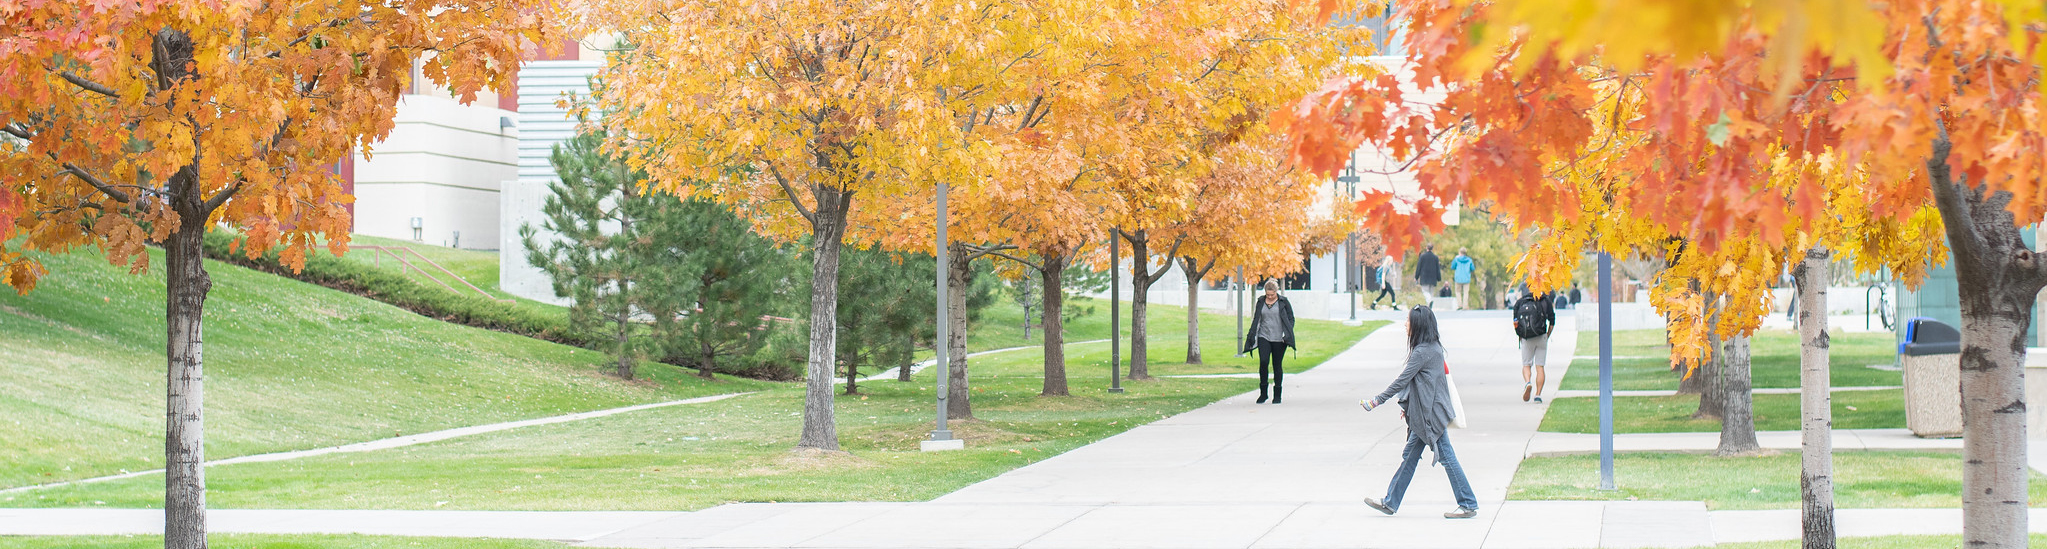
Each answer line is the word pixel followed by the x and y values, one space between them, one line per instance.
pixel 376 258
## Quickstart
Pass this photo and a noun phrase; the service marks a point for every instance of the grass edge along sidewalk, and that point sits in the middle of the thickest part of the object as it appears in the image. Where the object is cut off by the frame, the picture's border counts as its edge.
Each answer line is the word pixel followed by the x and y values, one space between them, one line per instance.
pixel 735 450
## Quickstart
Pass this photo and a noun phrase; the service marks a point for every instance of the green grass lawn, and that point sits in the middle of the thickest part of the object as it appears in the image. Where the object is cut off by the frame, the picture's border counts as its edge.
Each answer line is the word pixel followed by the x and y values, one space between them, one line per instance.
pixel 699 456
pixel 1861 480
pixel 1882 409
pixel 289 366
pixel 1882 542
pixel 268 541
pixel 1774 364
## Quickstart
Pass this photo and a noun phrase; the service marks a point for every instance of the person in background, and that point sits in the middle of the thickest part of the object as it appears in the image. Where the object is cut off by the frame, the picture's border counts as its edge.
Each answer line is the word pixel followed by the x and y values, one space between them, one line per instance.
pixel 1534 318
pixel 1428 271
pixel 1427 404
pixel 1461 269
pixel 1272 333
pixel 1389 283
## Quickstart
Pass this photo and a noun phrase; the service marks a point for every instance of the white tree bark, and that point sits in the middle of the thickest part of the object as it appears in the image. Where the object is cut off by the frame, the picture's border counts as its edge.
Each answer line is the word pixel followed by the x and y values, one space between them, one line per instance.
pixel 1816 460
pixel 1998 278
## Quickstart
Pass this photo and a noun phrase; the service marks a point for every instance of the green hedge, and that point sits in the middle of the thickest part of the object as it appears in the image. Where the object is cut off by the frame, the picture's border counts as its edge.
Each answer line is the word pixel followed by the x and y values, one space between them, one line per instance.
pixel 396 289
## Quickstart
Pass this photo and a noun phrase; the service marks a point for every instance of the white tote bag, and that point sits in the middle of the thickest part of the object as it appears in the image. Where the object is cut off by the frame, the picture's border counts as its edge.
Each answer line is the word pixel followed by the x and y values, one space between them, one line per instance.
pixel 1456 401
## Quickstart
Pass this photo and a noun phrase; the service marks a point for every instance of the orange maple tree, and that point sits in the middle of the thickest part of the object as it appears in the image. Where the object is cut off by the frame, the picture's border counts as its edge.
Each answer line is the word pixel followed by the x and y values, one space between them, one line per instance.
pixel 151 122
pixel 1918 103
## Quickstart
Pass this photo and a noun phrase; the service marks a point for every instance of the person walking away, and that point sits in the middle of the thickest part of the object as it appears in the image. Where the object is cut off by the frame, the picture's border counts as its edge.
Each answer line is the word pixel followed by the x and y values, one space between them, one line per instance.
pixel 1272 333
pixel 1461 269
pixel 1428 271
pixel 1534 318
pixel 1389 283
pixel 1426 384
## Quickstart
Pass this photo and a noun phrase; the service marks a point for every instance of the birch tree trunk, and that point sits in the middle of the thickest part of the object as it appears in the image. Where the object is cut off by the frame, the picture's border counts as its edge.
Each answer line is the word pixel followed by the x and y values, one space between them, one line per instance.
pixel 1737 419
pixel 1816 456
pixel 184 419
pixel 1999 278
pixel 828 227
pixel 1194 274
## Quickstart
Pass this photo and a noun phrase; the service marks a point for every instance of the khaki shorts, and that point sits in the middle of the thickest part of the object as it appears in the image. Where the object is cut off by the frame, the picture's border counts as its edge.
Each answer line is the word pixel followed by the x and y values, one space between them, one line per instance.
pixel 1535 350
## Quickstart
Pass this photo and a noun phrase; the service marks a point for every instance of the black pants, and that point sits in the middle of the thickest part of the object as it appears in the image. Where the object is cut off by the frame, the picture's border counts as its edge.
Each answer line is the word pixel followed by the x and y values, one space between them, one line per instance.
pixel 1270 354
pixel 1386 292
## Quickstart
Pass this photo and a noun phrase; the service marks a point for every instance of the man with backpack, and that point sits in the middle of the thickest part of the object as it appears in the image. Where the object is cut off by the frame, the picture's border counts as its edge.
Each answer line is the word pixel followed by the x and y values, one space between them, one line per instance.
pixel 1534 318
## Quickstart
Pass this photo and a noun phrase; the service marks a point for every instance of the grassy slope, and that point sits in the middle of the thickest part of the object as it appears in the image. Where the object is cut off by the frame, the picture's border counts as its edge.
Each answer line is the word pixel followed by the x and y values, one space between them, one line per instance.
pixel 1774 365
pixel 693 457
pixel 289 365
pixel 1861 480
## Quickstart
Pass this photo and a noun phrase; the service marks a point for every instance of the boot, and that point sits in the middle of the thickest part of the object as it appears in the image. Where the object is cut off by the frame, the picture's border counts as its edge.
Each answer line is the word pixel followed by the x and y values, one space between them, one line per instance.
pixel 1275 393
pixel 1261 393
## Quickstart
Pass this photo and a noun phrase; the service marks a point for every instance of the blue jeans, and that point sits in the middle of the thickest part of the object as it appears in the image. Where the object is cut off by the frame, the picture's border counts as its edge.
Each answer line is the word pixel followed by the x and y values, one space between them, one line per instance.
pixel 1413 456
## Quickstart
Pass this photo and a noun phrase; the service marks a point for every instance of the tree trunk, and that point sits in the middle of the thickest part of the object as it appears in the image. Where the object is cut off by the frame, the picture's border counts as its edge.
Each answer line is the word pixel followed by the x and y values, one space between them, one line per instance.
pixel 960 274
pixel 1816 458
pixel 1712 393
pixel 820 429
pixel 1194 275
pixel 1140 288
pixel 625 324
pixel 187 284
pixel 1737 419
pixel 1998 279
pixel 1055 337
pixel 852 379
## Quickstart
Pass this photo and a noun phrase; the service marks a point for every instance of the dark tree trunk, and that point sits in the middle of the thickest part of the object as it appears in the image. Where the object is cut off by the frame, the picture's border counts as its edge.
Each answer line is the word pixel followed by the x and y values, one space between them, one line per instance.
pixel 1055 337
pixel 1816 456
pixel 1999 278
pixel 959 274
pixel 1737 420
pixel 1712 395
pixel 624 341
pixel 852 378
pixel 820 429
pixel 184 441
pixel 1140 290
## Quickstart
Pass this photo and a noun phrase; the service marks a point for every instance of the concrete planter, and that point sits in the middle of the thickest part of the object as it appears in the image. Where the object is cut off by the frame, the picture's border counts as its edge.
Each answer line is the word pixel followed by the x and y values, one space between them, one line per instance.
pixel 1933 395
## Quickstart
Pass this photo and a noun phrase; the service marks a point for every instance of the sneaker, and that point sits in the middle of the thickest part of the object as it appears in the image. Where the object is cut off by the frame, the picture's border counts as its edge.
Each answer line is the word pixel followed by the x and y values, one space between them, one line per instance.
pixel 1373 503
pixel 1461 513
pixel 1538 400
pixel 1527 389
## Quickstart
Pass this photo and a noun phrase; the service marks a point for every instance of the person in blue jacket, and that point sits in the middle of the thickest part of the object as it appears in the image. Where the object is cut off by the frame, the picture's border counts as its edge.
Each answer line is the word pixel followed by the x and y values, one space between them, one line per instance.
pixel 1461 269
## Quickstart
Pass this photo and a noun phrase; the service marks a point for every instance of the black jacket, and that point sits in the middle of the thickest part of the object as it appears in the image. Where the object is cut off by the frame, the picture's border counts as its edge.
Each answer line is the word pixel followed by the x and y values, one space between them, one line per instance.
pixel 1286 320
pixel 1428 270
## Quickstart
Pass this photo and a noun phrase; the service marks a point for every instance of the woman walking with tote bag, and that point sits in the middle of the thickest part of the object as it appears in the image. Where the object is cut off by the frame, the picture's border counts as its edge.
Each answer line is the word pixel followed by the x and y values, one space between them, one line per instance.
pixel 1427 402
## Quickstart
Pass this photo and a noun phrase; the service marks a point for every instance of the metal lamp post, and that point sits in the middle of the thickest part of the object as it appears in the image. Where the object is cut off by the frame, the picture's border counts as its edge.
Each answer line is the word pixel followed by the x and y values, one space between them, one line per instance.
pixel 1606 371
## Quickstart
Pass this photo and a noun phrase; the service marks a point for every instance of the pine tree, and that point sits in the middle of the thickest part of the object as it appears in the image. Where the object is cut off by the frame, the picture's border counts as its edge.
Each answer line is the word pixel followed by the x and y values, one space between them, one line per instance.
pixel 593 210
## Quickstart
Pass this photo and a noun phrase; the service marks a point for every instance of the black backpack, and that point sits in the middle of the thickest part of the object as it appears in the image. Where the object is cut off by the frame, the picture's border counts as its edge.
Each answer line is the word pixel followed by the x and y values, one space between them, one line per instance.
pixel 1528 318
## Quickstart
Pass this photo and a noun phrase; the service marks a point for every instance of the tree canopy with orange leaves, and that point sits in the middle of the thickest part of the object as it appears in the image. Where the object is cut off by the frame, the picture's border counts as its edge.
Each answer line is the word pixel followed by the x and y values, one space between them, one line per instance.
pixel 152 121
pixel 1778 125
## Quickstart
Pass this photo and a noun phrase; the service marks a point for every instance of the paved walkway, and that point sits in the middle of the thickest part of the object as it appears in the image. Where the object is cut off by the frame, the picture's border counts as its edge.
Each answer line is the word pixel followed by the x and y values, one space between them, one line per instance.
pixel 1233 474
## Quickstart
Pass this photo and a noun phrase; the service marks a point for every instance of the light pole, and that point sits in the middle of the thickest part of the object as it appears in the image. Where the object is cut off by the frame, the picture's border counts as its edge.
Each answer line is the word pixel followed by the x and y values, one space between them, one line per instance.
pixel 1605 371
pixel 941 438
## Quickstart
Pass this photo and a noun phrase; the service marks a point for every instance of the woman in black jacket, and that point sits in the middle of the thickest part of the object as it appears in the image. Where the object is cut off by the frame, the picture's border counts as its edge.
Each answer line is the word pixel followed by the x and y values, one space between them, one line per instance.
pixel 1426 385
pixel 1271 334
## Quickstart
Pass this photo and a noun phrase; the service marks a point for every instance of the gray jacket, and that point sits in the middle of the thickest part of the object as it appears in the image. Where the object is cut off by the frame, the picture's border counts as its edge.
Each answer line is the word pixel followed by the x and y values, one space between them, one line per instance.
pixel 1286 320
pixel 1428 394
